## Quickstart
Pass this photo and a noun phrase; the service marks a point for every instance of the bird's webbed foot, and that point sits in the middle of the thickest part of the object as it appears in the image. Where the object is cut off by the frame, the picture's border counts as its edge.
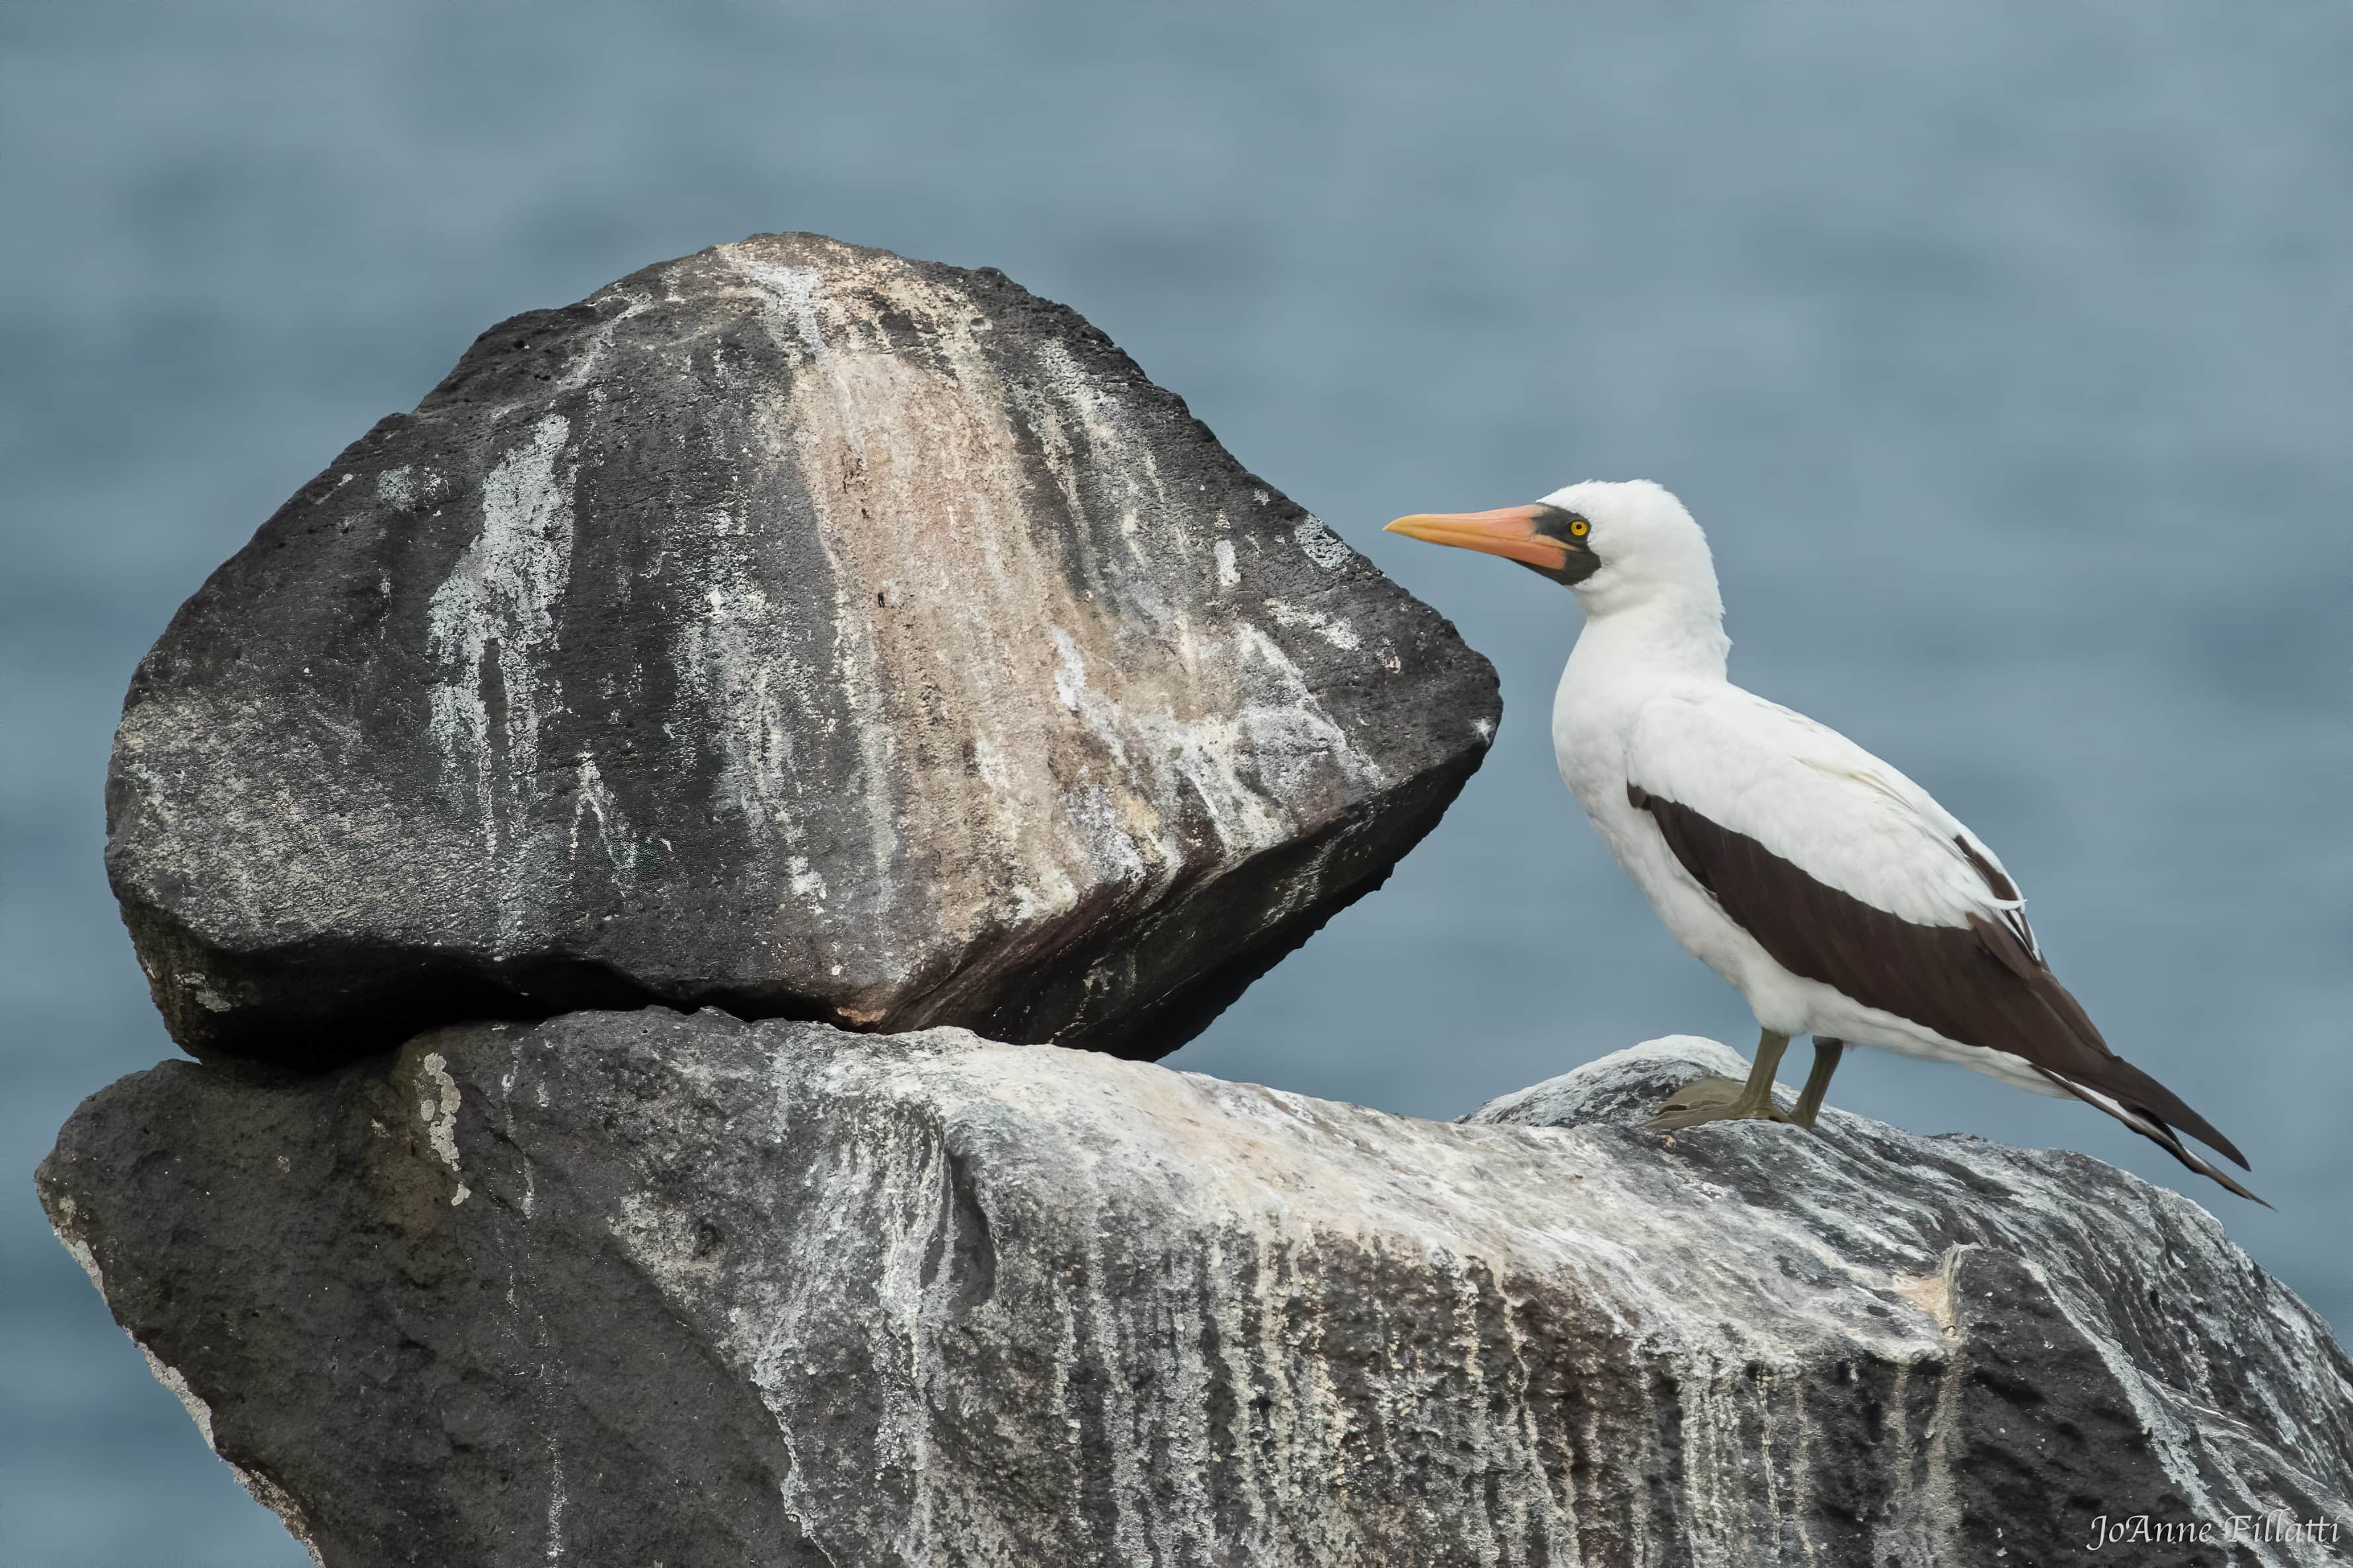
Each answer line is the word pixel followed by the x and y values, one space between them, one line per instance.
pixel 1712 1099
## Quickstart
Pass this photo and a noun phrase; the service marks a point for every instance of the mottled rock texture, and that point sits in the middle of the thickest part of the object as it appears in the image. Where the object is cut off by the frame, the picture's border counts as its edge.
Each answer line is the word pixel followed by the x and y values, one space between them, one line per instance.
pixel 642 1288
pixel 794 629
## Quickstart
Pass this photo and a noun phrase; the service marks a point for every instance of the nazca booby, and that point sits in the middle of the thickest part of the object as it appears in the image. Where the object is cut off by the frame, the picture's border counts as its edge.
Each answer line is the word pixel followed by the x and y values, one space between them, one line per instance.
pixel 1839 898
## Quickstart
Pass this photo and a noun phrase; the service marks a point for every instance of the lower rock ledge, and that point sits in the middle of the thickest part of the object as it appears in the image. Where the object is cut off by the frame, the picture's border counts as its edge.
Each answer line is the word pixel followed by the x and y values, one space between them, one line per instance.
pixel 638 1288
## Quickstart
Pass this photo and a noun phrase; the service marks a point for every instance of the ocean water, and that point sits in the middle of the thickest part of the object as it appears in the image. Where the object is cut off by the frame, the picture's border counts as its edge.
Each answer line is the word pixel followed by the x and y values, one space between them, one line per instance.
pixel 2001 347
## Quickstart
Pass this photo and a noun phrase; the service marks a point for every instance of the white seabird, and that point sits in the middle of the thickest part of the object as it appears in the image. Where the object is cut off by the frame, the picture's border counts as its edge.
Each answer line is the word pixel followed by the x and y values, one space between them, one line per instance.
pixel 1839 898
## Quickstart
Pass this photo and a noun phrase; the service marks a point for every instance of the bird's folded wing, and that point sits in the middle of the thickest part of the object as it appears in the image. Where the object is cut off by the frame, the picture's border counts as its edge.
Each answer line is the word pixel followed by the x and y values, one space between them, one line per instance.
pixel 1820 802
pixel 1846 872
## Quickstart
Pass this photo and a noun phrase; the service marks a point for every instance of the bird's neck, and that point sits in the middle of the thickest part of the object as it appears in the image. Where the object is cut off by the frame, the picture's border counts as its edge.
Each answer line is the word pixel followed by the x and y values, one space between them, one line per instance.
pixel 1665 636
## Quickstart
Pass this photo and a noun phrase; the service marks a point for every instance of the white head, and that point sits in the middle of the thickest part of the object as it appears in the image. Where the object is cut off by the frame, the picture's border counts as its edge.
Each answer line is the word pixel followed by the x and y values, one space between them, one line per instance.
pixel 1620 545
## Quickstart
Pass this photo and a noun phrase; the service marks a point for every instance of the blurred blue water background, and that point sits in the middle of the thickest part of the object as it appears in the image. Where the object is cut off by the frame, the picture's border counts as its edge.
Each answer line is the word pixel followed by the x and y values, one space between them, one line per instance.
pixel 2001 347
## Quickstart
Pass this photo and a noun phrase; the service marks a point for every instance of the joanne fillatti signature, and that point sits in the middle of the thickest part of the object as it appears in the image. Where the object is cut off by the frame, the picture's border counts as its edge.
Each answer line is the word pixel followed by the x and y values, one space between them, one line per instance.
pixel 2146 1529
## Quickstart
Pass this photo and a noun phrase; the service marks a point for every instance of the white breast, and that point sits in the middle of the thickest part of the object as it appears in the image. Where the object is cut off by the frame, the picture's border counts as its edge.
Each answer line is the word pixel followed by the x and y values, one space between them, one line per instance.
pixel 1592 716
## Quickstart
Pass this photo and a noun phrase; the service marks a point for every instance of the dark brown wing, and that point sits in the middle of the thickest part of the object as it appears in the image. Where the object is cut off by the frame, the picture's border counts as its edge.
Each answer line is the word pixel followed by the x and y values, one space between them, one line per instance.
pixel 1984 984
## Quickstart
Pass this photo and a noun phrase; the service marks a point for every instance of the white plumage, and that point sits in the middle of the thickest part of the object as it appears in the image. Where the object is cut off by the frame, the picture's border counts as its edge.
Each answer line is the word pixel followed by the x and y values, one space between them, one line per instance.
pixel 1646 699
pixel 1834 892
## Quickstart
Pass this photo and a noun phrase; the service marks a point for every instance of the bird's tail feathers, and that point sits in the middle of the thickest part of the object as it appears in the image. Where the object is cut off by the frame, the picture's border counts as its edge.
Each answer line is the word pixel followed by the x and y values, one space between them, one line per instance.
pixel 2126 1083
pixel 2150 1126
pixel 2096 1067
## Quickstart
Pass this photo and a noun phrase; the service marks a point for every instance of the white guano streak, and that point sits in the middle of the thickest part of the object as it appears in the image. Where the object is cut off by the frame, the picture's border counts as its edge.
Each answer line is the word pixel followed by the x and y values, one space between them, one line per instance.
pixel 500 602
pixel 1338 633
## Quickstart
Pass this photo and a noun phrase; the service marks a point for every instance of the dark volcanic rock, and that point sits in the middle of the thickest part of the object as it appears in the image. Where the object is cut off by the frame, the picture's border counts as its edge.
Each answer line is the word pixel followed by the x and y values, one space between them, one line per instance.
pixel 628 1289
pixel 794 628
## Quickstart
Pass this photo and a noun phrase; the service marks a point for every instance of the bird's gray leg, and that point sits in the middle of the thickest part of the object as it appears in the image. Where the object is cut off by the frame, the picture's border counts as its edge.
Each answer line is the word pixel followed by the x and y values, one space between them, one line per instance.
pixel 1714 1099
pixel 1827 1052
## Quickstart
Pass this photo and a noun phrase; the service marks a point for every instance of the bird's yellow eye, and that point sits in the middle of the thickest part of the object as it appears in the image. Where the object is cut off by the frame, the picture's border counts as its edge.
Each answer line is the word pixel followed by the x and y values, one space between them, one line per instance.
pixel 1580 527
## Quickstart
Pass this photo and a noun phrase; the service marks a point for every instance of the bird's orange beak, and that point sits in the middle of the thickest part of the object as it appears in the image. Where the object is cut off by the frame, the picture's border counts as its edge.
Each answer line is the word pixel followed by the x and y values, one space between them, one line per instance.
pixel 1509 531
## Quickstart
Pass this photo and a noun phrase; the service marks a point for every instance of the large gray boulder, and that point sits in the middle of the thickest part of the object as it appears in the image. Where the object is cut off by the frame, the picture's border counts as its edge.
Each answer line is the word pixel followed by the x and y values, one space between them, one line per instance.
pixel 644 1288
pixel 794 629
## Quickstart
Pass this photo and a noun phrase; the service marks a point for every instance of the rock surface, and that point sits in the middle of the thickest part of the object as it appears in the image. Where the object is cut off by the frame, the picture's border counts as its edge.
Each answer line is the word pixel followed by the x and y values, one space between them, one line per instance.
pixel 794 629
pixel 644 1288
